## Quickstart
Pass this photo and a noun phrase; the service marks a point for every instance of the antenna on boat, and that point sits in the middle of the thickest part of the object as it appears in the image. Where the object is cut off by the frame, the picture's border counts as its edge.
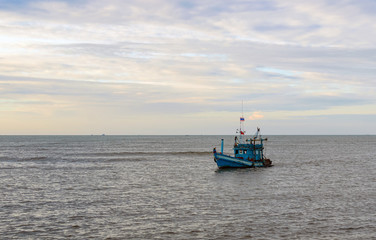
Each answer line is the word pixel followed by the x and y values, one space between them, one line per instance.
pixel 257 133
pixel 242 108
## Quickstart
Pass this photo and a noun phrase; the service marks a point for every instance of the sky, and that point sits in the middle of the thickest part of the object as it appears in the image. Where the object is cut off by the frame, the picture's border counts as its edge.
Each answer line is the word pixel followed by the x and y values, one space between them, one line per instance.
pixel 185 66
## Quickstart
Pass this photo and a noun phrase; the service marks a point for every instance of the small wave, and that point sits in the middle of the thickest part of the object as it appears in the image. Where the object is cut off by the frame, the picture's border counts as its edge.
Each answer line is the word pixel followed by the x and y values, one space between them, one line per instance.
pixel 127 159
pixel 103 156
pixel 190 153
pixel 36 158
pixel 109 154
pixel 25 159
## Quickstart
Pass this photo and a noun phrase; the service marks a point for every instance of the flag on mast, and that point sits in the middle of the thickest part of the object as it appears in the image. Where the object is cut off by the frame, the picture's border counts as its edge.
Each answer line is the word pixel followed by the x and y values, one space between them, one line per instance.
pixel 242 119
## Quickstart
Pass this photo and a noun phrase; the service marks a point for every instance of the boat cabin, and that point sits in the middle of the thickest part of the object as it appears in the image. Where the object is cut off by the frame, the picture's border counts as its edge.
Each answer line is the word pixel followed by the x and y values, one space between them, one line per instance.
pixel 249 151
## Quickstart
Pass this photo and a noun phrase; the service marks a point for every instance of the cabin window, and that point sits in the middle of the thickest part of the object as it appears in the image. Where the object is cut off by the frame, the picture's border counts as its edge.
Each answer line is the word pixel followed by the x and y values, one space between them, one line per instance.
pixel 257 152
pixel 240 151
pixel 245 151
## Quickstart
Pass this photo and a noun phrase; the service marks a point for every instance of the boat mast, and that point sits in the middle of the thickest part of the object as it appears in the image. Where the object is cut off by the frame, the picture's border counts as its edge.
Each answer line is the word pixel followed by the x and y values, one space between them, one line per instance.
pixel 241 132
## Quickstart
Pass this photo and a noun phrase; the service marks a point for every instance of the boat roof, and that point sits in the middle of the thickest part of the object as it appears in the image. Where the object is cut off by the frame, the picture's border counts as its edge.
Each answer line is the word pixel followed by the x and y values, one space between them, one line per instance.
pixel 247 146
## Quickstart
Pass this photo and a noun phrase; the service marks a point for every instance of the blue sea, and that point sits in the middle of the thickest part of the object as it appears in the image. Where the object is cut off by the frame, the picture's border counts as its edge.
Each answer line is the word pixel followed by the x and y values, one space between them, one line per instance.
pixel 169 187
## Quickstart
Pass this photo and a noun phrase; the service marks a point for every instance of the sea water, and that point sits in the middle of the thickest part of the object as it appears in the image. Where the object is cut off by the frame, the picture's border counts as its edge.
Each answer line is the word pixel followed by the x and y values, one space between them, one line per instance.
pixel 169 187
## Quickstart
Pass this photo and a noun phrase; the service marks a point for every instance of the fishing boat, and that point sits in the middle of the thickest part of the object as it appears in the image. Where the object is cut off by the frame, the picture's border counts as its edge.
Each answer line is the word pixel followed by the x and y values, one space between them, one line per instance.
pixel 247 152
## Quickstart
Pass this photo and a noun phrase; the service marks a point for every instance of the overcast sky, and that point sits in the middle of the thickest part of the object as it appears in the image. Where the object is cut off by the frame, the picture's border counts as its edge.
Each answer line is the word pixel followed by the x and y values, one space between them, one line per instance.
pixel 184 67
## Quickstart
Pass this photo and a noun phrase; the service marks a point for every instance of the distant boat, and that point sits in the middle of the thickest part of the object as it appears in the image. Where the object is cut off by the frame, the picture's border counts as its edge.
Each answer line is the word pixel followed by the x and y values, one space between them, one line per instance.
pixel 247 152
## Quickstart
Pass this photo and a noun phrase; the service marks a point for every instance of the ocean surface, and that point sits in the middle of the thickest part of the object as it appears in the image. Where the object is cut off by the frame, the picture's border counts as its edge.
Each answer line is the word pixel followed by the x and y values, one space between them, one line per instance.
pixel 169 187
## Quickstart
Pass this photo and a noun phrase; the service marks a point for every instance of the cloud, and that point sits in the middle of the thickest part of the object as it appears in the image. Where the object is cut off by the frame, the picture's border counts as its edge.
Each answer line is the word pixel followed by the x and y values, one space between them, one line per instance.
pixel 256 116
pixel 181 58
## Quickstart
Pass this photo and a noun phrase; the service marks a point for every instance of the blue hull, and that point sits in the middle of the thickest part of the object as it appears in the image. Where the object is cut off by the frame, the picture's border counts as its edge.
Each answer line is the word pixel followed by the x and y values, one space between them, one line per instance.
pixel 225 161
pixel 228 161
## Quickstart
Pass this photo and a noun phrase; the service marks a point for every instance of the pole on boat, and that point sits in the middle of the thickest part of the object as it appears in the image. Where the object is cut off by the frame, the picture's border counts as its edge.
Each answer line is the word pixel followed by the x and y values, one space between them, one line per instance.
pixel 222 146
pixel 241 124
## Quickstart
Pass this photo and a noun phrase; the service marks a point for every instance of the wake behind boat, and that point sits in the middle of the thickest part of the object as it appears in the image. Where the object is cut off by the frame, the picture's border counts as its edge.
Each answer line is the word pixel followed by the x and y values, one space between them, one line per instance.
pixel 247 152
